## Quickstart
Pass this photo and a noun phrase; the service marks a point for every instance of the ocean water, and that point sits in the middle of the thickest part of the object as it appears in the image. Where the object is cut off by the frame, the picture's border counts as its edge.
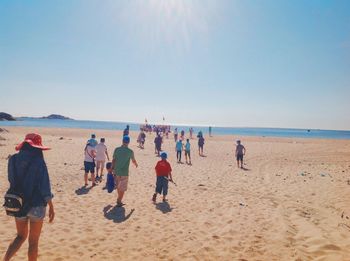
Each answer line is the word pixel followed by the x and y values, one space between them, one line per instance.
pixel 106 125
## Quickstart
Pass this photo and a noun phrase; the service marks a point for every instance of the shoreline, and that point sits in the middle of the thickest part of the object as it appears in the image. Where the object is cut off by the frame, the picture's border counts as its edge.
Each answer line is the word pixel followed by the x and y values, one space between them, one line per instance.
pixel 94 130
pixel 135 133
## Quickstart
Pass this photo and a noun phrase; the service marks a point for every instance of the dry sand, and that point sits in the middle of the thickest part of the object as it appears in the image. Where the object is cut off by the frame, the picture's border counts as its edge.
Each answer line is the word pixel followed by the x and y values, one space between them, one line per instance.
pixel 292 202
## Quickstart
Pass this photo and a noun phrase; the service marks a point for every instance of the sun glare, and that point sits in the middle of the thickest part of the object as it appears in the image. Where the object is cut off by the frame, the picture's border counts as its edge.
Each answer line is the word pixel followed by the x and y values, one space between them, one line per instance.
pixel 168 22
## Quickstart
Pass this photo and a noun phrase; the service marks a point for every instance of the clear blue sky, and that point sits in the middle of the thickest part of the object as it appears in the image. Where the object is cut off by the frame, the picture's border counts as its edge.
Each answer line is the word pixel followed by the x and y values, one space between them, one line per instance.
pixel 261 63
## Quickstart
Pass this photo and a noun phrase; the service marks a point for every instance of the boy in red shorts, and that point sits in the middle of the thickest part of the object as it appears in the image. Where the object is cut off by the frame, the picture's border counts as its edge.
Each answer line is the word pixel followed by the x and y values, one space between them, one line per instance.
pixel 163 171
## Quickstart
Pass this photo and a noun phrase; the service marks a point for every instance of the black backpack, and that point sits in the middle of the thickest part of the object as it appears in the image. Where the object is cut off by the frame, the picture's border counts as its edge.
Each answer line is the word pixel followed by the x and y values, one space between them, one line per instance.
pixel 15 204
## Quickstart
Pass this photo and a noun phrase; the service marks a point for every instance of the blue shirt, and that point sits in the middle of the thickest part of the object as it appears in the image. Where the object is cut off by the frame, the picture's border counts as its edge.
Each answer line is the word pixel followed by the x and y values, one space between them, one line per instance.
pixel 188 146
pixel 28 175
pixel 179 146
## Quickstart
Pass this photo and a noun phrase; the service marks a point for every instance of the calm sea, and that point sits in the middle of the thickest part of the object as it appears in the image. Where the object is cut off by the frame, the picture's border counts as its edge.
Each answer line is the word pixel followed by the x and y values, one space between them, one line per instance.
pixel 105 125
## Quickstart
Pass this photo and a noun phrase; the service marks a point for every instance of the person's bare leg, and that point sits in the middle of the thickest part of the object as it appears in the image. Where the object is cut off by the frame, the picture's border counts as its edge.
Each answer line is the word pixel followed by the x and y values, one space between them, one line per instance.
pixel 97 170
pixel 101 171
pixel 22 233
pixel 120 196
pixel 86 178
pixel 93 179
pixel 34 235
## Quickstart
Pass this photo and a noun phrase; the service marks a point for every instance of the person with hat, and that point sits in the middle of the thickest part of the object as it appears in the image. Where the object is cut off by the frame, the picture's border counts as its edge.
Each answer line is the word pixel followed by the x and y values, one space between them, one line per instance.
pixel 163 172
pixel 29 178
pixel 93 141
pixel 120 165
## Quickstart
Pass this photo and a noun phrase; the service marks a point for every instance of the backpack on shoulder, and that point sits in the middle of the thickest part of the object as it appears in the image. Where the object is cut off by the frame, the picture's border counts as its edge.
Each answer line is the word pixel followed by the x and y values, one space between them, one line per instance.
pixel 15 205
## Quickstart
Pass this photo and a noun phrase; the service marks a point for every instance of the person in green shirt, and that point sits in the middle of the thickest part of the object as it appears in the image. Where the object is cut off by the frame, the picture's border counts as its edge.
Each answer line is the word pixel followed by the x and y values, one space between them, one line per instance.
pixel 120 165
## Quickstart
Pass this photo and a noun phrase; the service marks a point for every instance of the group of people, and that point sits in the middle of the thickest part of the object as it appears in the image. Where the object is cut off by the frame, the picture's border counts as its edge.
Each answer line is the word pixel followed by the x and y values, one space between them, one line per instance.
pixel 30 190
pixel 95 155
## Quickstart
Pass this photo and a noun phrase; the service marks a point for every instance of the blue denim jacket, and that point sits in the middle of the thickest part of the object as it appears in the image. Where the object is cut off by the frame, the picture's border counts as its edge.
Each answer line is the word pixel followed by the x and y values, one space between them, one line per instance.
pixel 28 175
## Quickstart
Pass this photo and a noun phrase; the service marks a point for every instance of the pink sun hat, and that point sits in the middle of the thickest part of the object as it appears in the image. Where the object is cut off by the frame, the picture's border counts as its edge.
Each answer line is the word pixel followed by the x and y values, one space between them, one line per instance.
pixel 33 140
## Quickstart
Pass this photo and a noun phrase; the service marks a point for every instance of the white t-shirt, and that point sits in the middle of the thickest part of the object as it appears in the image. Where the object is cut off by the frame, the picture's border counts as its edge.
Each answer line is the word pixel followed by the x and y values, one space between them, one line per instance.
pixel 89 153
pixel 101 151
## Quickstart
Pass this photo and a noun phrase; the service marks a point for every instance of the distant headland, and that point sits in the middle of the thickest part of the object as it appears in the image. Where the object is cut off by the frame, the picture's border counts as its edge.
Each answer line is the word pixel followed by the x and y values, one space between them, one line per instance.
pixel 56 117
pixel 8 117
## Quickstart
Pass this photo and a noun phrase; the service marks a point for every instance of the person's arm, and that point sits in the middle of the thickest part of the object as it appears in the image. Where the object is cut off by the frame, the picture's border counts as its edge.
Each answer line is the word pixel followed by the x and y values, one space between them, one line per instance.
pixel 113 165
pixel 45 189
pixel 236 152
pixel 107 154
pixel 51 211
pixel 170 176
pixel 134 160
pixel 244 150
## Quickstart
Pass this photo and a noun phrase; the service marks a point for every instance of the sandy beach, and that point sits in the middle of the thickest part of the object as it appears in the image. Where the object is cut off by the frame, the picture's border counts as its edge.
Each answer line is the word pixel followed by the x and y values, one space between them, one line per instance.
pixel 291 203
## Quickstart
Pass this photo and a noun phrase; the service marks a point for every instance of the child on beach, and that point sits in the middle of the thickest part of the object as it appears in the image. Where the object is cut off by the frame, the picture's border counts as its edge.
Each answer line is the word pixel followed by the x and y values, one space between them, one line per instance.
pixel 101 153
pixel 89 163
pixel 163 171
pixel 158 144
pixel 178 149
pixel 110 184
pixel 93 141
pixel 200 145
pixel 240 152
pixel 175 134
pixel 141 139
pixel 188 152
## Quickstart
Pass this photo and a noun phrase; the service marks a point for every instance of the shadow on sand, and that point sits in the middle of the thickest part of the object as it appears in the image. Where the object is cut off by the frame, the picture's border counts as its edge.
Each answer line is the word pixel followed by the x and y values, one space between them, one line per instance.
pixel 245 169
pixel 83 190
pixel 117 214
pixel 164 207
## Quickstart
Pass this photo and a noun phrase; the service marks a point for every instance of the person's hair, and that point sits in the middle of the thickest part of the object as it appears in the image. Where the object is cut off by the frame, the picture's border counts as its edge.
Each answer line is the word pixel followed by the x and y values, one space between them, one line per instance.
pixel 108 165
pixel 35 151
pixel 93 136
pixel 188 140
pixel 102 140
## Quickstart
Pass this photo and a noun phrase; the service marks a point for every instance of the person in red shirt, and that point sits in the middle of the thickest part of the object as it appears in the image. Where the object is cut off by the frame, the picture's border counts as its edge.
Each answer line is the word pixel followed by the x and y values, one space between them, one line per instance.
pixel 163 171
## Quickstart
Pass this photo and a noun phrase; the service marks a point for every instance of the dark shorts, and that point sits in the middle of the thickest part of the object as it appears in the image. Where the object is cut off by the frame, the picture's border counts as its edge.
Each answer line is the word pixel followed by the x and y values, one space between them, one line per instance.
pixel 240 157
pixel 162 185
pixel 187 153
pixel 89 167
pixel 201 146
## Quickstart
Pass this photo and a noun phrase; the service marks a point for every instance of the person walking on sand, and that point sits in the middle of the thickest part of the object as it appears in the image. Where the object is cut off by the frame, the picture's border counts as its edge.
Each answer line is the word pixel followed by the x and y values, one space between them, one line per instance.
pixel 163 172
pixel 188 152
pixel 178 149
pixel 176 134
pixel 101 154
pixel 28 177
pixel 126 131
pixel 158 144
pixel 141 139
pixel 182 135
pixel 191 133
pixel 200 145
pixel 120 164
pixel 240 152
pixel 93 140
pixel 89 163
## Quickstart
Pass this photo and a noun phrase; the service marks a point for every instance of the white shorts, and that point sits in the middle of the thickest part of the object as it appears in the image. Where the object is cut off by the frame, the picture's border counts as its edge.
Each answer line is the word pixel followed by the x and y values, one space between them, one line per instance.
pixel 100 164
